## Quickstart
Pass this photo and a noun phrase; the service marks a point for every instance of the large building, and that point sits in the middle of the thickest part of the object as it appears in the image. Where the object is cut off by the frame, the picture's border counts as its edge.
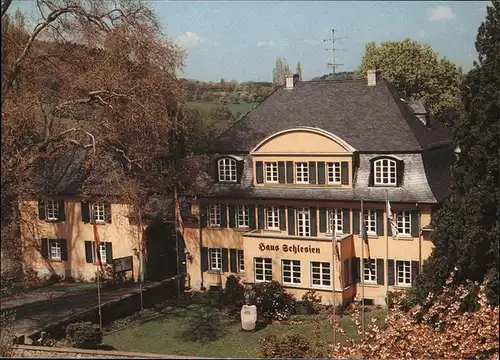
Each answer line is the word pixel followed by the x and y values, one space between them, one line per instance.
pixel 294 172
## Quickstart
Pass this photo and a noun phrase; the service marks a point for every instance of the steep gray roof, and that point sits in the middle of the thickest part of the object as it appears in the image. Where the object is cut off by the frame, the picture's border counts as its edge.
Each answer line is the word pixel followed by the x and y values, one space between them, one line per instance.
pixel 370 118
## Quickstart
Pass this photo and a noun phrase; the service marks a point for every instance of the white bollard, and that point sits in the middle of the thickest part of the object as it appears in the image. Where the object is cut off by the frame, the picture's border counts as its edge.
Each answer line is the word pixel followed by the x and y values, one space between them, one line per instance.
pixel 248 317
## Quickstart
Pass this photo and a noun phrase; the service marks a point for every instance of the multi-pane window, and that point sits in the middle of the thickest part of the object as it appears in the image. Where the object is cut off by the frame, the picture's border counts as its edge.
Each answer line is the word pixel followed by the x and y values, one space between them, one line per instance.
pixel 263 269
pixel 272 217
pixel 301 173
pixel 227 170
pixel 370 270
pixel 214 215
pixel 241 260
pixel 335 217
pixel 303 222
pixel 320 274
pixel 55 249
pixel 102 252
pixel 290 270
pixel 242 216
pixel 215 256
pixel 98 212
pixel 385 172
pixel 403 272
pixel 370 218
pixel 271 172
pixel 403 222
pixel 333 171
pixel 52 210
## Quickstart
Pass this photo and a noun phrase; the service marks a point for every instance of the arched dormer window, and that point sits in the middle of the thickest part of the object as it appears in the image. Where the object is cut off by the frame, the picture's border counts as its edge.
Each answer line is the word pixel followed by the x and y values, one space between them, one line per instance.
pixel 386 171
pixel 226 170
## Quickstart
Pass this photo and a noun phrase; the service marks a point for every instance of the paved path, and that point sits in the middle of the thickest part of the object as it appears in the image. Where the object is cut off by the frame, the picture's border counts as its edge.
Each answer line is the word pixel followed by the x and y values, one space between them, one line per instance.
pixel 47 308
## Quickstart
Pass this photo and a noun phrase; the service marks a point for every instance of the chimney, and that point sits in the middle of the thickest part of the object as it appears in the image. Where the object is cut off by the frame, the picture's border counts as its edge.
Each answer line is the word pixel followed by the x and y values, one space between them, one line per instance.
pixel 291 80
pixel 372 77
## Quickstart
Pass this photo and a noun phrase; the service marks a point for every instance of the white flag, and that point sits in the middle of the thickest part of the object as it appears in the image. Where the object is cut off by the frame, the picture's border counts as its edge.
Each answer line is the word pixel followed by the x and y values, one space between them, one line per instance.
pixel 394 227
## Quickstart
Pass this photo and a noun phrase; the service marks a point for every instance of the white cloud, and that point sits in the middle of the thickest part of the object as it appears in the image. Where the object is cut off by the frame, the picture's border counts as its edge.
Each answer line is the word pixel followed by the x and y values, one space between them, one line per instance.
pixel 440 13
pixel 266 43
pixel 189 40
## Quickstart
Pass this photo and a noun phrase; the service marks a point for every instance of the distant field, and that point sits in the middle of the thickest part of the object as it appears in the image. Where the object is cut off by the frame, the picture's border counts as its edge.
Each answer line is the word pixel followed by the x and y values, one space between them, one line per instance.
pixel 203 106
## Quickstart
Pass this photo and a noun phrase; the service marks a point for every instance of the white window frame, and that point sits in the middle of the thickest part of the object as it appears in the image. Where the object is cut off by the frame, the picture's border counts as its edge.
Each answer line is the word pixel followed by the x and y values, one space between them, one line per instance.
pixel 291 270
pixel 264 266
pixel 333 173
pixel 403 273
pixel 240 260
pixel 370 218
pixel 324 269
pixel 214 215
pixel 302 172
pixel 272 218
pixel 403 222
pixel 370 270
pixel 271 172
pixel 385 172
pixel 102 252
pixel 303 221
pixel 227 170
pixel 55 250
pixel 98 212
pixel 51 210
pixel 215 259
pixel 338 217
pixel 242 216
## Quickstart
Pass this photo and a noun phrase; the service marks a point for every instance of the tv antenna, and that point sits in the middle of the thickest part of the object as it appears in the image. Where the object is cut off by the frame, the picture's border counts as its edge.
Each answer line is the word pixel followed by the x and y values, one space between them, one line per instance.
pixel 332 64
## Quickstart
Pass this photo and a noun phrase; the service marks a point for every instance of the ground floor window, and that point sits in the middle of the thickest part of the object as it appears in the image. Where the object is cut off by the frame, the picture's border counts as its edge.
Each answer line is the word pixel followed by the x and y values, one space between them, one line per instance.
pixel 215 256
pixel 241 261
pixel 370 270
pixel 320 273
pixel 290 270
pixel 102 252
pixel 263 269
pixel 55 249
pixel 403 270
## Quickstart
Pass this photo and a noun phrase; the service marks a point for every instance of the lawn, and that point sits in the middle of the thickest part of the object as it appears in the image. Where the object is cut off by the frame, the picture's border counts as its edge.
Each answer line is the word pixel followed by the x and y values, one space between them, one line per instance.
pixel 206 106
pixel 173 329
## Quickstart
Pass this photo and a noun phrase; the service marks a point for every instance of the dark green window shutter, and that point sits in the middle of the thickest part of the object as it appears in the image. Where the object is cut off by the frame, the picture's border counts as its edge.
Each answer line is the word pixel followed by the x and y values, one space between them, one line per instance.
pixel 355 221
pixel 389 228
pixel 281 172
pixel 314 221
pixel 251 216
pixel 345 269
pixel 44 248
pixel 204 259
pixel 107 212
pixel 372 174
pixel 41 210
pixel 282 218
pixel 346 221
pixel 291 220
pixel 380 271
pixel 312 172
pixel 259 172
pixel 355 270
pixel 203 215
pixel 260 214
pixel 64 249
pixel 223 216
pixel 344 172
pixel 109 253
pixel 321 172
pixel 414 223
pixel 400 169
pixel 289 172
pixel 390 272
pixel 232 260
pixel 380 222
pixel 415 269
pixel 216 170
pixel 89 254
pixel 240 165
pixel 232 215
pixel 322 220
pixel 85 212
pixel 225 267
pixel 62 213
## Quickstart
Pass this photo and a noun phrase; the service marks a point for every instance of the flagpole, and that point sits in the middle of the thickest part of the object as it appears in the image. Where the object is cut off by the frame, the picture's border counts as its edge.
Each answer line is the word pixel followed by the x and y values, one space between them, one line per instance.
pixel 177 228
pixel 99 267
pixel 362 272
pixel 334 250
pixel 387 245
pixel 141 259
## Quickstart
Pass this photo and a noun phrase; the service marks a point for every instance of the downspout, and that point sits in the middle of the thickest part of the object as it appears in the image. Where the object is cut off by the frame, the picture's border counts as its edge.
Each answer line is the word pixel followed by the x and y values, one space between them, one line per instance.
pixel 200 209
pixel 419 239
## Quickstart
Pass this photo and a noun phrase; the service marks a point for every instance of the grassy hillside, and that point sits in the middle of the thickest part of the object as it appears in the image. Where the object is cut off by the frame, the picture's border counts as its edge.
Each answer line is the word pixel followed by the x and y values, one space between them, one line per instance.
pixel 206 106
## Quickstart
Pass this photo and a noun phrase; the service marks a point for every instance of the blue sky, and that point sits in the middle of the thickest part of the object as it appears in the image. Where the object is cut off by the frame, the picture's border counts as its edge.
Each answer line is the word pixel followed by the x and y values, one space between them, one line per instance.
pixel 241 40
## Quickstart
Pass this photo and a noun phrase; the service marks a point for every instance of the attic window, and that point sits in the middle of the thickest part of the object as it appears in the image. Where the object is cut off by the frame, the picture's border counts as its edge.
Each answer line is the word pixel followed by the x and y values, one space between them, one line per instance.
pixel 227 170
pixel 385 172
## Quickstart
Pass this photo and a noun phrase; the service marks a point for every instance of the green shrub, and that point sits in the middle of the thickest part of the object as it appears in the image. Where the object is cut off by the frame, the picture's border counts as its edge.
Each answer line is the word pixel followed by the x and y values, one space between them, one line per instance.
pixel 311 301
pixel 84 335
pixel 292 346
pixel 233 293
pixel 272 302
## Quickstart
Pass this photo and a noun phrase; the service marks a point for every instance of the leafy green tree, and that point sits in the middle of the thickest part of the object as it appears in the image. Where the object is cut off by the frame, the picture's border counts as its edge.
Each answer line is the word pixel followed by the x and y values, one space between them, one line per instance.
pixel 416 70
pixel 299 71
pixel 281 69
pixel 467 227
